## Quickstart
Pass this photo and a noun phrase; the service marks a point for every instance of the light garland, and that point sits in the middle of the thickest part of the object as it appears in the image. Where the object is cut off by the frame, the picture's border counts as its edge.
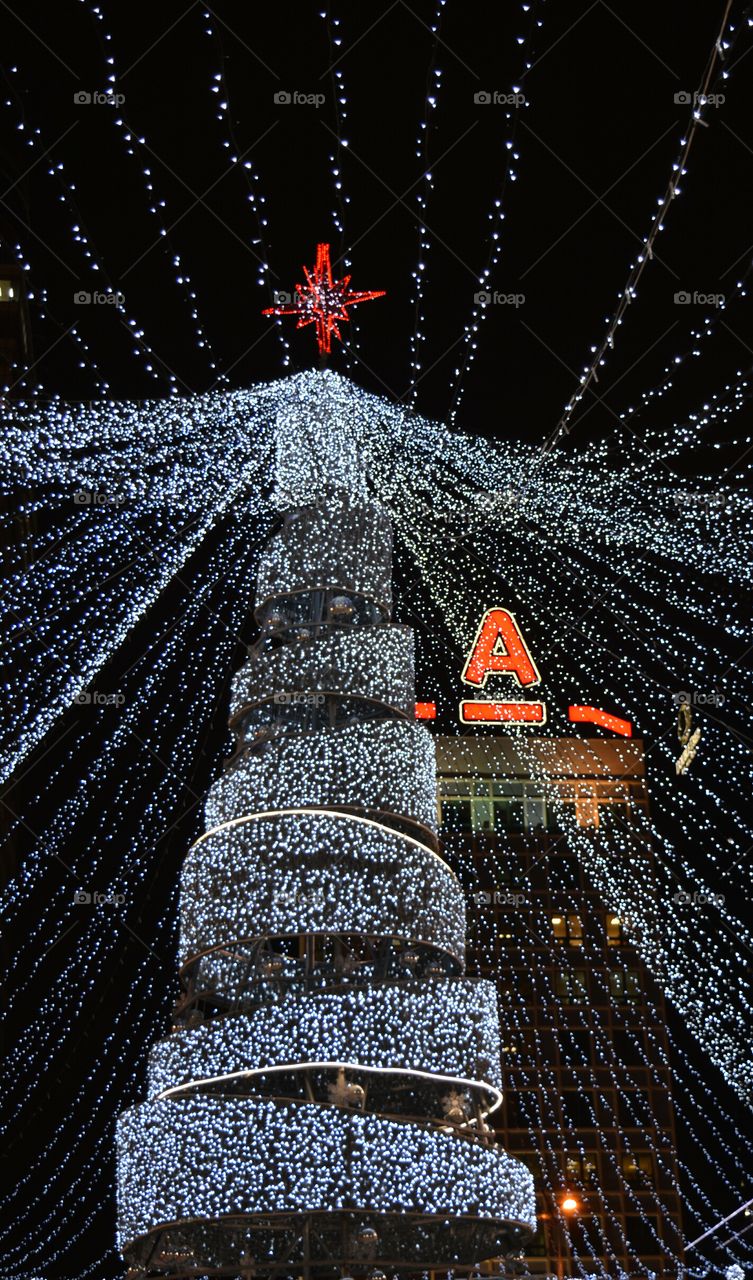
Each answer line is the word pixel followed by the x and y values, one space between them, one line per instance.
pixel 316 872
pixel 385 765
pixel 256 876
pixel 310 552
pixel 496 217
pixel 444 1028
pixel 723 44
pixel 583 521
pixel 376 664
pixel 204 1157
pixel 146 158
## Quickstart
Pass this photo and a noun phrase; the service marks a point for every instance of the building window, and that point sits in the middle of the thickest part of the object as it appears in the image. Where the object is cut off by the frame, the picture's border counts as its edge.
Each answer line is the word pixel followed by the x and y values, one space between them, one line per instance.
pixel 575 1046
pixel 638 1167
pixel 535 812
pixel 587 810
pixel 628 1047
pixel 8 291
pixel 615 931
pixel 577 1109
pixel 572 987
pixel 642 1234
pixel 482 805
pixel 520 1108
pixel 580 1168
pixel 625 985
pixel 568 929
pixel 456 814
pixel 537 1248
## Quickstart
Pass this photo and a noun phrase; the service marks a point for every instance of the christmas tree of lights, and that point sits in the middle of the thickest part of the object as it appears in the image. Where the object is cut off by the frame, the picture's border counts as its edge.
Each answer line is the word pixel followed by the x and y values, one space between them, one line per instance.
pixel 320 1106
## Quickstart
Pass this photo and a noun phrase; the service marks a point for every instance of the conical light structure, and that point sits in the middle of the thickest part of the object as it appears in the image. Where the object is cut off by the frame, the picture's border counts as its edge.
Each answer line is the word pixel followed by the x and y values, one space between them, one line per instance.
pixel 320 1107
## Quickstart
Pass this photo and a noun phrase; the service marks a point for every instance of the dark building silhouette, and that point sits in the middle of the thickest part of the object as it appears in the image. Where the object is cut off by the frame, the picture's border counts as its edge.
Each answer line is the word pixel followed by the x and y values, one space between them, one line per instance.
pixel 15 336
pixel 587 1086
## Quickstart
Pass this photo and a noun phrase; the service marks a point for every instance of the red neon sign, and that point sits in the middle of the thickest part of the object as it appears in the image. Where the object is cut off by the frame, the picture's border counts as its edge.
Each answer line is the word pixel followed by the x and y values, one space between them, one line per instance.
pixel 502 712
pixel 426 710
pixel 499 649
pixel 592 715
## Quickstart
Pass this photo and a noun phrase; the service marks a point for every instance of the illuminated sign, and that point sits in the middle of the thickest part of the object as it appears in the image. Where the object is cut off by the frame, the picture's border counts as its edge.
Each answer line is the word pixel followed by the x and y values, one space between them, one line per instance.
pixel 509 712
pixel 688 753
pixel 500 649
pixel 426 710
pixel 592 715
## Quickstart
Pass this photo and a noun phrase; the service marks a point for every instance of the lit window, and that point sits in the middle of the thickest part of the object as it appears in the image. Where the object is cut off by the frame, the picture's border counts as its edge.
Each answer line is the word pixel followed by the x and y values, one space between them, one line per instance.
pixel 572 988
pixel 568 929
pixel 638 1166
pixel 580 1168
pixel 7 291
pixel 535 813
pixel 625 985
pixel 483 805
pixel 615 931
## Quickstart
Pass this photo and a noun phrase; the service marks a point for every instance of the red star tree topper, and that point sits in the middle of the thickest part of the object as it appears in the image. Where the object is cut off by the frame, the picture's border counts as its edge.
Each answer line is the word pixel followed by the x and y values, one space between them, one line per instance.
pixel 323 301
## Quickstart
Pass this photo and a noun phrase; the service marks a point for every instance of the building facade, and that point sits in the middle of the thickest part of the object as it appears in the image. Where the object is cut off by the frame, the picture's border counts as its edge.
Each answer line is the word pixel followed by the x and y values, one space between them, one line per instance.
pixel 587 1087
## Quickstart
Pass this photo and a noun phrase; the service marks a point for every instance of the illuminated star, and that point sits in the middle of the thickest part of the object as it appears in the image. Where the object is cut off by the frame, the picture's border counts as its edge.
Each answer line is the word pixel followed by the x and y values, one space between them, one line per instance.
pixel 322 301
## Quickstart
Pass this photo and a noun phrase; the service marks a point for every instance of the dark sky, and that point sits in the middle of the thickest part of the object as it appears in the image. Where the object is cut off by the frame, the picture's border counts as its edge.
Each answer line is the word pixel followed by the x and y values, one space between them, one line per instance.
pixel 596 145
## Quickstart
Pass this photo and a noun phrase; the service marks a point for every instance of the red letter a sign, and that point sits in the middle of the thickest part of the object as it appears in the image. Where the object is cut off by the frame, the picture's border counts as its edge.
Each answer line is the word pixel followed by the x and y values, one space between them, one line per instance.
pixel 499 648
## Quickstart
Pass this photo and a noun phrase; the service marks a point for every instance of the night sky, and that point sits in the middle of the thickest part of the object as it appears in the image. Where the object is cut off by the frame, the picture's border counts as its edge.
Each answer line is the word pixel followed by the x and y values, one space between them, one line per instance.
pixel 596 144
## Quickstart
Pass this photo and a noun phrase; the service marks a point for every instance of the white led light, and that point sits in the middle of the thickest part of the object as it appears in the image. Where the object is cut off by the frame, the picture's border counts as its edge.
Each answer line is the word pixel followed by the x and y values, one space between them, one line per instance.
pixel 206 1157
pixel 315 872
pixel 447 1027
pixel 384 765
pixel 374 663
